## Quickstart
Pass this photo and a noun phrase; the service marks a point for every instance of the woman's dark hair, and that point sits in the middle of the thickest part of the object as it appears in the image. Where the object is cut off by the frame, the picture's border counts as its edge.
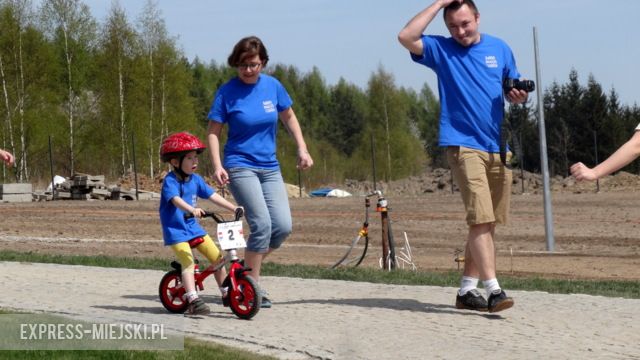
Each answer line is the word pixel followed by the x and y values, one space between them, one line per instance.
pixel 247 48
pixel 457 5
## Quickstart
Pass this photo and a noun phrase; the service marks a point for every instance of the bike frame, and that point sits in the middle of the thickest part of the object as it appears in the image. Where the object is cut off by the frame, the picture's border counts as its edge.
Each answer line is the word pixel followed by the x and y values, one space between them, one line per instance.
pixel 244 294
pixel 231 257
pixel 388 245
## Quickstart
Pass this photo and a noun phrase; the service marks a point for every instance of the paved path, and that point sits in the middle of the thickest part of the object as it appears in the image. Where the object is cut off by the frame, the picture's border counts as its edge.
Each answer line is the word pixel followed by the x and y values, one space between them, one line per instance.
pixel 321 319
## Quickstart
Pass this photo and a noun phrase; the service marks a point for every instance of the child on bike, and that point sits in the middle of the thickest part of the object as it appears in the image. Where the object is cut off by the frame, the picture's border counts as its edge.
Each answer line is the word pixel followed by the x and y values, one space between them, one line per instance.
pixel 181 189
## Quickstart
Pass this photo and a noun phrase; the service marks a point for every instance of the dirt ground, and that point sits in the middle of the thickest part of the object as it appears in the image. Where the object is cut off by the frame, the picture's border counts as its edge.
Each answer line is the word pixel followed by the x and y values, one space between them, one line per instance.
pixel 596 234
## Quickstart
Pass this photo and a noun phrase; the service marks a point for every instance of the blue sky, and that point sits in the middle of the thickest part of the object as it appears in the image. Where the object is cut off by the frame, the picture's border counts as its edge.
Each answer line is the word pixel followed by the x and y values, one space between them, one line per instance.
pixel 352 38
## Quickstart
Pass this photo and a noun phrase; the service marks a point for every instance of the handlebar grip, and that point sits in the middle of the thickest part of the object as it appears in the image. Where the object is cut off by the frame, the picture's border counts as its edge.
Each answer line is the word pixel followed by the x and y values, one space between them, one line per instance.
pixel 239 213
pixel 188 216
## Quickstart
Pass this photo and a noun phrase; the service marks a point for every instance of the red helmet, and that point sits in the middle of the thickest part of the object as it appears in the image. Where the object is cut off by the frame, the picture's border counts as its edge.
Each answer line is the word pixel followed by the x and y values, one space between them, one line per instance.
pixel 178 144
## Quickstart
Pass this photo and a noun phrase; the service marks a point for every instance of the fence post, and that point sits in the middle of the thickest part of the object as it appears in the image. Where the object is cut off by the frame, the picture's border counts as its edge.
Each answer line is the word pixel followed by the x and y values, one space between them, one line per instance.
pixel 135 167
pixel 53 185
pixel 299 185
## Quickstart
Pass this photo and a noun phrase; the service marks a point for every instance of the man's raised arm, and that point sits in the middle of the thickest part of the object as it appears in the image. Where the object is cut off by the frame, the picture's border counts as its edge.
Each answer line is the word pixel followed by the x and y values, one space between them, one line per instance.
pixel 411 35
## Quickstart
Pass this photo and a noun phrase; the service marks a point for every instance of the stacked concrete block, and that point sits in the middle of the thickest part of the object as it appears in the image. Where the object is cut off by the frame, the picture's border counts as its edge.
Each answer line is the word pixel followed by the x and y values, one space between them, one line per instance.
pixel 89 187
pixel 100 193
pixel 62 191
pixel 88 181
pixel 84 186
pixel 131 194
pixel 16 192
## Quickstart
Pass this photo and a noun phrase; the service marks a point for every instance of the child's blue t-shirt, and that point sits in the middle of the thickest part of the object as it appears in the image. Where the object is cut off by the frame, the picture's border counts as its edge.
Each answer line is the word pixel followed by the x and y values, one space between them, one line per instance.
pixel 470 88
pixel 175 229
pixel 251 111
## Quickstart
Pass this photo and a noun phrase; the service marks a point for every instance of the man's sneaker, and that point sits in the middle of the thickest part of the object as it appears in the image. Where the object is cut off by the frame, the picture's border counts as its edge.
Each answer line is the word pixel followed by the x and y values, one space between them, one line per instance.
pixel 472 300
pixel 198 307
pixel 226 300
pixel 498 301
pixel 266 303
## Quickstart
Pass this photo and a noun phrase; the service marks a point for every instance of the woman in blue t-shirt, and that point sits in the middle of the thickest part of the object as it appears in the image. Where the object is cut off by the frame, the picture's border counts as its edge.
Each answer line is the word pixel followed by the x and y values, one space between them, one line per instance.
pixel 250 104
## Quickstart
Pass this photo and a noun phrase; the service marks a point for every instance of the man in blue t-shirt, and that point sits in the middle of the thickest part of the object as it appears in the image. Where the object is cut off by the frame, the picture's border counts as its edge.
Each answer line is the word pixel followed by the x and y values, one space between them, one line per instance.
pixel 471 68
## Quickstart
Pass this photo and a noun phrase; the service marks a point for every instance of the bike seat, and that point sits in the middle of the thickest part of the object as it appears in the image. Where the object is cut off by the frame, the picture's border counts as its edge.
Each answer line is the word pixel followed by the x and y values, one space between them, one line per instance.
pixel 195 242
pixel 176 265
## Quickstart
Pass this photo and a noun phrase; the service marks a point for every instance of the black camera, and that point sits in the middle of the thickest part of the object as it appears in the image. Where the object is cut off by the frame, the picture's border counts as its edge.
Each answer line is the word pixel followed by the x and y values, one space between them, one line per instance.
pixel 526 85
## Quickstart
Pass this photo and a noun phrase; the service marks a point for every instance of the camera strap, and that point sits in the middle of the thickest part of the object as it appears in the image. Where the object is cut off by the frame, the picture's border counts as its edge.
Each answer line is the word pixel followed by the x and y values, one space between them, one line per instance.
pixel 508 134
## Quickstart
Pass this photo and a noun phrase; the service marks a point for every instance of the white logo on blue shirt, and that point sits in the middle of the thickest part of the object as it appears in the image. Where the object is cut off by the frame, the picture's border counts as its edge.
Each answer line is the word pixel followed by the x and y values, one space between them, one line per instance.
pixel 491 61
pixel 268 106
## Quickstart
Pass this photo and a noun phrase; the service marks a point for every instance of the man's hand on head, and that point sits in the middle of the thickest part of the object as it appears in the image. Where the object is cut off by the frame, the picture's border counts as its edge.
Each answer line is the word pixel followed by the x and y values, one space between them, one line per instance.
pixel 446 3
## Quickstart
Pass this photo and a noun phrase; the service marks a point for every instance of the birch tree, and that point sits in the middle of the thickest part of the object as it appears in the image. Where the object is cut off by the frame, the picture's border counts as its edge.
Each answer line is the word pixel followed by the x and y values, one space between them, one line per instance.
pixel 152 31
pixel 16 16
pixel 8 113
pixel 69 22
pixel 117 52
pixel 385 114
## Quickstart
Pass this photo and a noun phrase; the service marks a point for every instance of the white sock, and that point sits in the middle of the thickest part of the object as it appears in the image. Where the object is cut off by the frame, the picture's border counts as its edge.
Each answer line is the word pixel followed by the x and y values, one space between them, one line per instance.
pixel 491 285
pixel 467 283
pixel 224 290
pixel 191 296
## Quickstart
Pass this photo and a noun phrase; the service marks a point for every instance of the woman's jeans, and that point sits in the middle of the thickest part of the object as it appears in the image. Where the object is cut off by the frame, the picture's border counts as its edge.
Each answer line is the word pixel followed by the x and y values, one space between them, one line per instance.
pixel 263 195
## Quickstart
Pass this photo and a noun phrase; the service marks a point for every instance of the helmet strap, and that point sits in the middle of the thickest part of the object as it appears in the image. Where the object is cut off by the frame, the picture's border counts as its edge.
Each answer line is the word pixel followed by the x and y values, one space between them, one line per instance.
pixel 178 169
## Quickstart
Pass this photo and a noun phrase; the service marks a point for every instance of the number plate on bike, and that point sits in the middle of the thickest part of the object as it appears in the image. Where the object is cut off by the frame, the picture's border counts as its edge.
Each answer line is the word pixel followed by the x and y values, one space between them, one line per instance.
pixel 230 235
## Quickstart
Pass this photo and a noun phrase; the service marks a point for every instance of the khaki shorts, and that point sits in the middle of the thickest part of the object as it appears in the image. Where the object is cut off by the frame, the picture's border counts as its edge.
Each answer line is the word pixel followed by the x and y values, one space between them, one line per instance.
pixel 485 184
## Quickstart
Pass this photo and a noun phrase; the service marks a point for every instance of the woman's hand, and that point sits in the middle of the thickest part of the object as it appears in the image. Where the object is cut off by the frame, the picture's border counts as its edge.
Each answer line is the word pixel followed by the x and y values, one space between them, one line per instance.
pixel 304 160
pixel 221 177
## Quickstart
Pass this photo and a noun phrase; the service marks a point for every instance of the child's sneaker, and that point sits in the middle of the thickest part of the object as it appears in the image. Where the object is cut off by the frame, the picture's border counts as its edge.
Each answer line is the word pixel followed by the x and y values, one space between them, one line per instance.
pixel 266 303
pixel 498 301
pixel 198 307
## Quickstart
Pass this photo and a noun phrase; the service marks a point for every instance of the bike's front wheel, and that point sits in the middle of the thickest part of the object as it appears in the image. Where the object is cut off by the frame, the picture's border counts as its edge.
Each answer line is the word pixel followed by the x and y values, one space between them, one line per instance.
pixel 172 292
pixel 245 302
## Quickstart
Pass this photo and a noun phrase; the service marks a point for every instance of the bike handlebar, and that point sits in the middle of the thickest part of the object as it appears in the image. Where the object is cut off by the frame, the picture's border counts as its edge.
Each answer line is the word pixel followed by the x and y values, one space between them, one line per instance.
pixel 374 193
pixel 238 214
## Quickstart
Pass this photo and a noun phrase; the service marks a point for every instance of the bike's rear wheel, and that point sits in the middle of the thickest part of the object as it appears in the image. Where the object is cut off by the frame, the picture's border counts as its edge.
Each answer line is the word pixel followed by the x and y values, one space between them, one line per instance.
pixel 246 301
pixel 172 292
pixel 359 251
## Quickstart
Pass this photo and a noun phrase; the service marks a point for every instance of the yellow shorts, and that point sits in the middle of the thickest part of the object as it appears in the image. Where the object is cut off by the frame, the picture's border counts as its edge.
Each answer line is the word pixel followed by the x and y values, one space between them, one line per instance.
pixel 484 182
pixel 183 252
